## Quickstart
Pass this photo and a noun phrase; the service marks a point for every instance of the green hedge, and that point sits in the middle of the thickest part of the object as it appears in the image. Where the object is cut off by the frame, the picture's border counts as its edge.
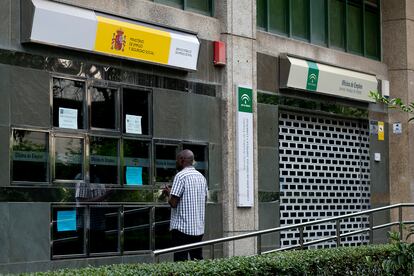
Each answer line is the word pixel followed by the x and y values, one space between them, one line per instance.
pixel 363 260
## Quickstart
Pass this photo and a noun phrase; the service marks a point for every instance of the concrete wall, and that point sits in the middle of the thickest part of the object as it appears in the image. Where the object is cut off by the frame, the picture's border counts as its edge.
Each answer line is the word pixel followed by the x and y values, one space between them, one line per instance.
pixel 398 42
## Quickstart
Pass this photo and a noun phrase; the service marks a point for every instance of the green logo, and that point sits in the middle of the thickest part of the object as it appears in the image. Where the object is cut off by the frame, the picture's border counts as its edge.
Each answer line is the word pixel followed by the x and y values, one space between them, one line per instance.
pixel 313 76
pixel 245 99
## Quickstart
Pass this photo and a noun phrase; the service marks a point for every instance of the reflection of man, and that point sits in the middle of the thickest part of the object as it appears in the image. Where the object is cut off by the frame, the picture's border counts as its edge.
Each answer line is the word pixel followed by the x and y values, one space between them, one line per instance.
pixel 96 216
pixel 187 198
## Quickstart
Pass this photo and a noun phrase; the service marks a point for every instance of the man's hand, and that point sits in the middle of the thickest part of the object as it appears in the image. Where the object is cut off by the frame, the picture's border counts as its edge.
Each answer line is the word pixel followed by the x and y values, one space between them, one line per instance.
pixel 166 190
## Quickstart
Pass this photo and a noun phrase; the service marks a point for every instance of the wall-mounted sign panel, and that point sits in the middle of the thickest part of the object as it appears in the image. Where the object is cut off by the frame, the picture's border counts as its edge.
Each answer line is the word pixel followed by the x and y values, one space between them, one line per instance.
pixel 325 79
pixel 245 180
pixel 66 26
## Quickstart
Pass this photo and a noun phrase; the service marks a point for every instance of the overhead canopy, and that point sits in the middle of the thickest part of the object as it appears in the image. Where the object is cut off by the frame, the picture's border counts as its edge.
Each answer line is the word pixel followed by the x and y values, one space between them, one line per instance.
pixel 72 27
pixel 325 79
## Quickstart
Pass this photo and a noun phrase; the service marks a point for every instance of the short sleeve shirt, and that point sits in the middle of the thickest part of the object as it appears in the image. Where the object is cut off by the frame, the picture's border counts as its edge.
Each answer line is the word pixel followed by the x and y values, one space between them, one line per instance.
pixel 191 187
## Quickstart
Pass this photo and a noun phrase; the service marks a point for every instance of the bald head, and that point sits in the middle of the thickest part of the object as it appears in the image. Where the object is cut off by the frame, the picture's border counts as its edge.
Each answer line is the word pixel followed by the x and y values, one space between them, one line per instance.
pixel 185 158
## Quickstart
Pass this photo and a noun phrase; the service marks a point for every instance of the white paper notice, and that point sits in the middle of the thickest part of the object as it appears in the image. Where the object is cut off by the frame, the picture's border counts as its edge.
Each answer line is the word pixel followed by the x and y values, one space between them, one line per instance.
pixel 133 124
pixel 68 118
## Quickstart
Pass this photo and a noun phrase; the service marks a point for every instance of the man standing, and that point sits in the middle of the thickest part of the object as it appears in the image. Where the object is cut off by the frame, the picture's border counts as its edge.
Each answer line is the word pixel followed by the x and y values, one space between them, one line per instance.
pixel 187 199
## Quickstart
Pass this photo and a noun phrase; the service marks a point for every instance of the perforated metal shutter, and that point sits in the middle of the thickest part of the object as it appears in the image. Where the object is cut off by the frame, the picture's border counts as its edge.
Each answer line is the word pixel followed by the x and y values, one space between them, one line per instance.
pixel 324 172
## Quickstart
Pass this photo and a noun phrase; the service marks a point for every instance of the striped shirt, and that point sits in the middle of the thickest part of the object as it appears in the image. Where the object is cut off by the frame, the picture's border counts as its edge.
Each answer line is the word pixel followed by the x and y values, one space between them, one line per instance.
pixel 191 187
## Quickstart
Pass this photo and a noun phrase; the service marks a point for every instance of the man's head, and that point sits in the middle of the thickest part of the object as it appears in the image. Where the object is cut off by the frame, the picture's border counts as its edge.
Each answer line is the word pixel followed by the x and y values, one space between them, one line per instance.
pixel 184 159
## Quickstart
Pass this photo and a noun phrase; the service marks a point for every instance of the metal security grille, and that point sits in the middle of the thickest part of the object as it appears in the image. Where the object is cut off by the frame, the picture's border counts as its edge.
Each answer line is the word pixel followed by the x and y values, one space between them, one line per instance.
pixel 324 172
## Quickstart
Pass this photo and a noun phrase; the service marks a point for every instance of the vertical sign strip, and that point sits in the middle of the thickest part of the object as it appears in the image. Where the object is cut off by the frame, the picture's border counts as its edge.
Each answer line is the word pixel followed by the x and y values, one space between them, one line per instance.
pixel 313 76
pixel 245 192
pixel 380 131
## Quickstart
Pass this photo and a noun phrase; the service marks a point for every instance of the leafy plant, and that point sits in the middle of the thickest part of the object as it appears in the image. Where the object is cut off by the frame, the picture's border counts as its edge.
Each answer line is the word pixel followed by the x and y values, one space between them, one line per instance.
pixel 401 259
pixel 361 260
pixel 396 103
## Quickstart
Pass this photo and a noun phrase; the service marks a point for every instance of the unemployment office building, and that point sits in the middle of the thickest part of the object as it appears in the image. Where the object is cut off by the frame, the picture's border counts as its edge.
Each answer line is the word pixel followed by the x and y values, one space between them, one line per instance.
pixel 97 98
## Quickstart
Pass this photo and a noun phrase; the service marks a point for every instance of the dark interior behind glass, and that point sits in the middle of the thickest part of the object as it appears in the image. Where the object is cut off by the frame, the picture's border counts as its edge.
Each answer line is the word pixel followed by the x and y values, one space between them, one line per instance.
pixel 104 229
pixel 136 102
pixel 68 94
pixel 30 156
pixel 68 158
pixel 200 157
pixel 165 156
pixel 103 160
pixel 68 231
pixel 136 161
pixel 137 228
pixel 103 107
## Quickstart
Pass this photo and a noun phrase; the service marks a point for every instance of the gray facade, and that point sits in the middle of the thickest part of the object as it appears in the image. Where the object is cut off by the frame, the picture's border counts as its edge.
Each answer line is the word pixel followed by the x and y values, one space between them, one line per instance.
pixel 187 108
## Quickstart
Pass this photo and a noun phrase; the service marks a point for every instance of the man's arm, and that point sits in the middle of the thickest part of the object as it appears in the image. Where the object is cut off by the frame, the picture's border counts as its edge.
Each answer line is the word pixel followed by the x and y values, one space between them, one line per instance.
pixel 173 201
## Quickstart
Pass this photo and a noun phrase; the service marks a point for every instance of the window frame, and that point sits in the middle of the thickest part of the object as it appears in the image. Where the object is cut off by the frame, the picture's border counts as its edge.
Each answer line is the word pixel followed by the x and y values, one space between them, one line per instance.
pixel 105 85
pixel 328 27
pixel 150 111
pixel 151 157
pixel 84 105
pixel 184 6
pixel 85 163
pixel 48 154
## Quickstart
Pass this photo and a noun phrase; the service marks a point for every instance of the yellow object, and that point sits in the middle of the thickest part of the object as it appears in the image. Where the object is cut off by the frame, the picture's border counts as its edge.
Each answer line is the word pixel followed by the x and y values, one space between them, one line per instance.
pixel 380 131
pixel 133 41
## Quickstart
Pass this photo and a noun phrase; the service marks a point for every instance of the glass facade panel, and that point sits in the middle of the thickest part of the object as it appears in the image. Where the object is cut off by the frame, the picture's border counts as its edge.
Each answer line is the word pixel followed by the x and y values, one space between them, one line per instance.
pixel 174 3
pixel 261 11
pixel 137 228
pixel 165 156
pixel 104 229
pixel 136 107
pixel 279 16
pixel 68 103
pixel 337 23
pixel 318 18
pixel 69 154
pixel 300 18
pixel 162 228
pixel 200 5
pixel 103 107
pixel 68 231
pixel 103 160
pixel 334 23
pixel 200 157
pixel 355 26
pixel 136 167
pixel 30 156
pixel 372 31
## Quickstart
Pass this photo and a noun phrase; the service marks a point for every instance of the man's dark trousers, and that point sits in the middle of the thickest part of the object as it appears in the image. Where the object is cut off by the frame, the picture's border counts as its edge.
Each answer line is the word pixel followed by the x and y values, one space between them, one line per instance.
pixel 179 238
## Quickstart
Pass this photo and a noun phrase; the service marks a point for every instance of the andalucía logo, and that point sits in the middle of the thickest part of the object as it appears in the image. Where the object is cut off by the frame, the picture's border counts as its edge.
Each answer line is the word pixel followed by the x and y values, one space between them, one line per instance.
pixel 118 40
pixel 313 76
pixel 245 99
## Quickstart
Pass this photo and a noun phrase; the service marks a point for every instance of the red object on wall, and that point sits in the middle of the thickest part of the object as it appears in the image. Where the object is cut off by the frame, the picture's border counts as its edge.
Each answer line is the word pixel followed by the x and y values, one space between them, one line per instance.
pixel 219 53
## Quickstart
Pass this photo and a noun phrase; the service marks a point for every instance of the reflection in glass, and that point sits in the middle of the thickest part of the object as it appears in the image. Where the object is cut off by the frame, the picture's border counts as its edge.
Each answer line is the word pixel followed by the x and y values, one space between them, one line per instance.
pixel 165 162
pixel 355 23
pixel 103 110
pixel 200 5
pixel 136 103
pixel 103 160
pixel 337 23
pixel 30 156
pixel 136 169
pixel 68 158
pixel 69 95
pixel 68 231
pixel 137 228
pixel 372 29
pixel 104 229
pixel 162 227
pixel 200 156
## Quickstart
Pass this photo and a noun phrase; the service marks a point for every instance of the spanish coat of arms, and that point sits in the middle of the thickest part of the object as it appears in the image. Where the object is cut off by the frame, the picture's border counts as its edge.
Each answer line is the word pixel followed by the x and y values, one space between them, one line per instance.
pixel 118 40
